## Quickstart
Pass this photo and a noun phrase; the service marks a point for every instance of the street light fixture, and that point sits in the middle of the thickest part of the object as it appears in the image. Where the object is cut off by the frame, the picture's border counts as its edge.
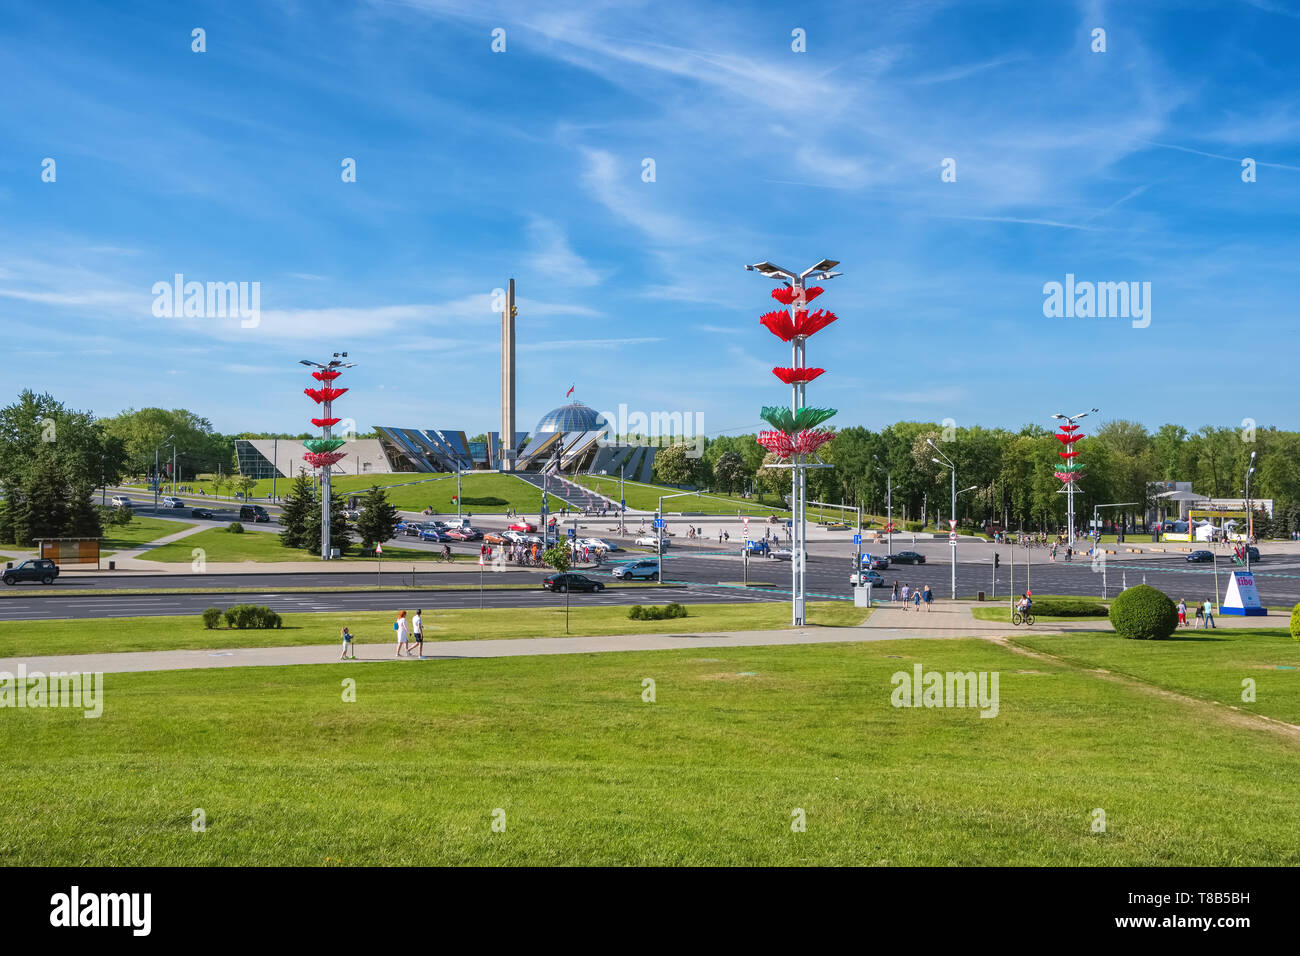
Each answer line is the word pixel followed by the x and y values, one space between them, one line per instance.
pixel 889 506
pixel 952 530
pixel 1070 421
pixel 156 477
pixel 820 271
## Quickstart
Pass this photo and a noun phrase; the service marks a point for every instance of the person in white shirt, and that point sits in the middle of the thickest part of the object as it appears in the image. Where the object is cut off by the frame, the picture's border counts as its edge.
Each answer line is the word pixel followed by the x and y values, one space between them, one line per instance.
pixel 403 634
pixel 417 633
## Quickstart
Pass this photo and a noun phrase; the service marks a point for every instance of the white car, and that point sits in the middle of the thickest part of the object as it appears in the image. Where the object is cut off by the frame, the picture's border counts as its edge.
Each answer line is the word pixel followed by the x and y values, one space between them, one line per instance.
pixel 650 541
pixel 172 503
pixel 121 501
pixel 874 578
pixel 598 544
pixel 785 554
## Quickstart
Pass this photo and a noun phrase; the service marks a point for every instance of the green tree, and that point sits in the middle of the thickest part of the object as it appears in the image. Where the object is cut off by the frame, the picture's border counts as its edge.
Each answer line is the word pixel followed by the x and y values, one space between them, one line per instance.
pixel 673 466
pixel 45 502
pixel 378 520
pixel 559 556
pixel 83 515
pixel 300 515
pixel 729 473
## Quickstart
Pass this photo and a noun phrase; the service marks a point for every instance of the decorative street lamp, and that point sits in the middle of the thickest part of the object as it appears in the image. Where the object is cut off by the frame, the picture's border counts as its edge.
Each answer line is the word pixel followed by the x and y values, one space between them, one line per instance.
pixel 1250 515
pixel 1072 469
pixel 952 530
pixel 795 435
pixel 323 452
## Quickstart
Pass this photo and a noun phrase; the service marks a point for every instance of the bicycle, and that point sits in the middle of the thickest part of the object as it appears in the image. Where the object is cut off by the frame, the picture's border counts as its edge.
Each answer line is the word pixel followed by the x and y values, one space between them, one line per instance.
pixel 446 555
pixel 1019 617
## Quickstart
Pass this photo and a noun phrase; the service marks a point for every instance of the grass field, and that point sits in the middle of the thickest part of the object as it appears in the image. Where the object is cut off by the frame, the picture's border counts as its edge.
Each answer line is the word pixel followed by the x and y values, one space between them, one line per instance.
pixel 109 635
pixel 584 771
pixel 140 531
pixel 1210 665
pixel 414 492
pixel 219 544
pixel 642 497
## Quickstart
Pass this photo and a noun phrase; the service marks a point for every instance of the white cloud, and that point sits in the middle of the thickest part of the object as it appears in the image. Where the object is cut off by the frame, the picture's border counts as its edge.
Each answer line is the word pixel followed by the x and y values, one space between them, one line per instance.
pixel 554 258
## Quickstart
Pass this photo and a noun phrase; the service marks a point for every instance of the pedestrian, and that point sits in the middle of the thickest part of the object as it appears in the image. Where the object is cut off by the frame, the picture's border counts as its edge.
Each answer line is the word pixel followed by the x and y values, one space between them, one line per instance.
pixel 916 599
pixel 893 595
pixel 1200 616
pixel 1182 612
pixel 929 598
pixel 403 634
pixel 417 632
pixel 347 645
pixel 1209 615
pixel 907 593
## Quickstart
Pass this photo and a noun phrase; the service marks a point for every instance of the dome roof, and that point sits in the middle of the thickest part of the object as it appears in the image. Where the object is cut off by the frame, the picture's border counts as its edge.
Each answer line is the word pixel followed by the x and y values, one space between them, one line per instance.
pixel 574 417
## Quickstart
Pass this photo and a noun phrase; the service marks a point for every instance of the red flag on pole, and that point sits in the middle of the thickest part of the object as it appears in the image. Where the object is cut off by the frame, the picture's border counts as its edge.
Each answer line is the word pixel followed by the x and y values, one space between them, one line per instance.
pixel 569 392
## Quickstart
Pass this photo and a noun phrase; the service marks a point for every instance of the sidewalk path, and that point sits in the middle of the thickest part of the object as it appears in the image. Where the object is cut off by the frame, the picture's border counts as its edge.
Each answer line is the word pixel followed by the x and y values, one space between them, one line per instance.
pixel 948 620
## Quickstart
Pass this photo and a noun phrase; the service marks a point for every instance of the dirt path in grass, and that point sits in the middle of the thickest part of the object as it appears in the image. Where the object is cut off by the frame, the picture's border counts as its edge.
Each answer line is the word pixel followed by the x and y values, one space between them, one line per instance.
pixel 1223 713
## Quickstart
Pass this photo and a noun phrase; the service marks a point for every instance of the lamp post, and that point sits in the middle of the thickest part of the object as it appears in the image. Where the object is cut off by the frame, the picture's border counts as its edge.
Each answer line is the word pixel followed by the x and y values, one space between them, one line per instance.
pixel 1250 515
pixel 622 501
pixel 1071 423
pixel 659 533
pixel 323 452
pixel 156 477
pixel 822 271
pixel 952 531
pixel 889 507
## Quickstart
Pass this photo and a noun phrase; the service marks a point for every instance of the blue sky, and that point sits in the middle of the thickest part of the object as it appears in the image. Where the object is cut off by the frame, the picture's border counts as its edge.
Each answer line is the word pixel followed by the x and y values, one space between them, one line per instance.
pixel 474 166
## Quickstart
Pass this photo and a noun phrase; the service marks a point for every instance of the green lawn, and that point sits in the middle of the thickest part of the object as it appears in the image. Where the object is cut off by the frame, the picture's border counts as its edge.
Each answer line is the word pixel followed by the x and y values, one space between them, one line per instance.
pixel 111 635
pixel 140 531
pixel 585 771
pixel 641 497
pixel 220 545
pixel 415 492
pixel 1210 665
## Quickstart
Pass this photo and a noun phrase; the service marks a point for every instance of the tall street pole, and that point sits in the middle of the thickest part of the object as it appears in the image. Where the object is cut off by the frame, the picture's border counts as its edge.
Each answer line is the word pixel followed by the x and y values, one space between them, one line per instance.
pixel 952 534
pixel 275 465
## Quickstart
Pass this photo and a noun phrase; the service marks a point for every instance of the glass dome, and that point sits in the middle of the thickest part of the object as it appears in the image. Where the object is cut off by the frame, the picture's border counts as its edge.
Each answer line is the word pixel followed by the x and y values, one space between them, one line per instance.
pixel 575 417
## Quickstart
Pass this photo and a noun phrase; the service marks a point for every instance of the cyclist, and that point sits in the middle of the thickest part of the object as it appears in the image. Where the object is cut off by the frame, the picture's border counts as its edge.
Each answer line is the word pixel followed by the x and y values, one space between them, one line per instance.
pixel 1024 604
pixel 446 553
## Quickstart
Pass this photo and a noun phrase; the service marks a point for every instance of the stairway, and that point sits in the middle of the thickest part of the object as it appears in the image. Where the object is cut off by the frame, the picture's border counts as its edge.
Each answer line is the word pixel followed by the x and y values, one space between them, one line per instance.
pixel 574 495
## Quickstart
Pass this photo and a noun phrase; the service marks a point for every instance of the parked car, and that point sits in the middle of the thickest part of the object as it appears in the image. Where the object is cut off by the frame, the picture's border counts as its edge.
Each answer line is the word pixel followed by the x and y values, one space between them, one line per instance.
pixel 430 533
pixel 1253 552
pixel 755 546
pixel 874 578
pixel 644 570
pixel 122 501
pixel 204 513
pixel 170 502
pixel 38 569
pixel 598 544
pixel 1196 557
pixel 520 525
pixel 253 513
pixel 907 557
pixel 875 562
pixel 495 537
pixel 650 541
pixel 570 582
pixel 464 534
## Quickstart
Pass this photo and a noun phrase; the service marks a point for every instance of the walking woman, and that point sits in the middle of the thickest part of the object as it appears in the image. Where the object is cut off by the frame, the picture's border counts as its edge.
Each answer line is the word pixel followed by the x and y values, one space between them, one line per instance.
pixel 929 598
pixel 403 634
pixel 894 594
pixel 347 645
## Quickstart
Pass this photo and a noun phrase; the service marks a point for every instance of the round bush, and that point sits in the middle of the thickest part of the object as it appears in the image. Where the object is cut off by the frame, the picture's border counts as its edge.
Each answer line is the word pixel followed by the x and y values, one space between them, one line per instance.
pixel 1295 623
pixel 235 527
pixel 1143 613
pixel 212 617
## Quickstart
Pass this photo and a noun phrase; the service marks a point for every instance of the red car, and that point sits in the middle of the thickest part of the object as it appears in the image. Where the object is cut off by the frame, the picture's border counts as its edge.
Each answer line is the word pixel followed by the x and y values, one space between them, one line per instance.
pixel 521 525
pixel 464 534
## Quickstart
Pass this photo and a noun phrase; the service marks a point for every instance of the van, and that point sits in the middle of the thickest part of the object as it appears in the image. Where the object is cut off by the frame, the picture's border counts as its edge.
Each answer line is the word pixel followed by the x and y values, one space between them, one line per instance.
pixel 253 513
pixel 455 523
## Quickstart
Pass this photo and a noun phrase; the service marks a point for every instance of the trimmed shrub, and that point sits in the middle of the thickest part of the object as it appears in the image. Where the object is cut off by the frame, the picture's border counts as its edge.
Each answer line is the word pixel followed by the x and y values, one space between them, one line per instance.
pixel 1295 623
pixel 212 617
pixel 1143 613
pixel 1069 607
pixel 252 616
pixel 654 613
pixel 235 527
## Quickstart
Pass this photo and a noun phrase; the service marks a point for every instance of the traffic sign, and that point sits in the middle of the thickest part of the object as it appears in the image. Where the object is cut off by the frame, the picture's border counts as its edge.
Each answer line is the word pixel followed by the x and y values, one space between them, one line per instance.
pixel 789 522
pixel 746 530
pixel 952 536
pixel 952 523
pixel 660 523
pixel 857 539
pixel 573 532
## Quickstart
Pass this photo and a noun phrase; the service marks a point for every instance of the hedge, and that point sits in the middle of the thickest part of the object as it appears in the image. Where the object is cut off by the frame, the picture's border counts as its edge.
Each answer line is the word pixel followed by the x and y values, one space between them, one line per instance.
pixel 251 616
pixel 1143 613
pixel 1295 623
pixel 656 613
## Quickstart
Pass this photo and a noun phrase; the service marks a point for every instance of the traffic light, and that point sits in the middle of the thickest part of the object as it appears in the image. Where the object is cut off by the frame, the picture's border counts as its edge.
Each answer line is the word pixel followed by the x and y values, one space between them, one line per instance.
pixel 995 560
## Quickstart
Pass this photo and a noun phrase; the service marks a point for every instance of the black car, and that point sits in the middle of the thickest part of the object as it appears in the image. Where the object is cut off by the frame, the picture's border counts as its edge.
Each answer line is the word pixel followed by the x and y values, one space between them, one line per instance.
pixel 203 513
pixel 39 569
pixel 1198 556
pixel 570 582
pixel 907 557
pixel 253 513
